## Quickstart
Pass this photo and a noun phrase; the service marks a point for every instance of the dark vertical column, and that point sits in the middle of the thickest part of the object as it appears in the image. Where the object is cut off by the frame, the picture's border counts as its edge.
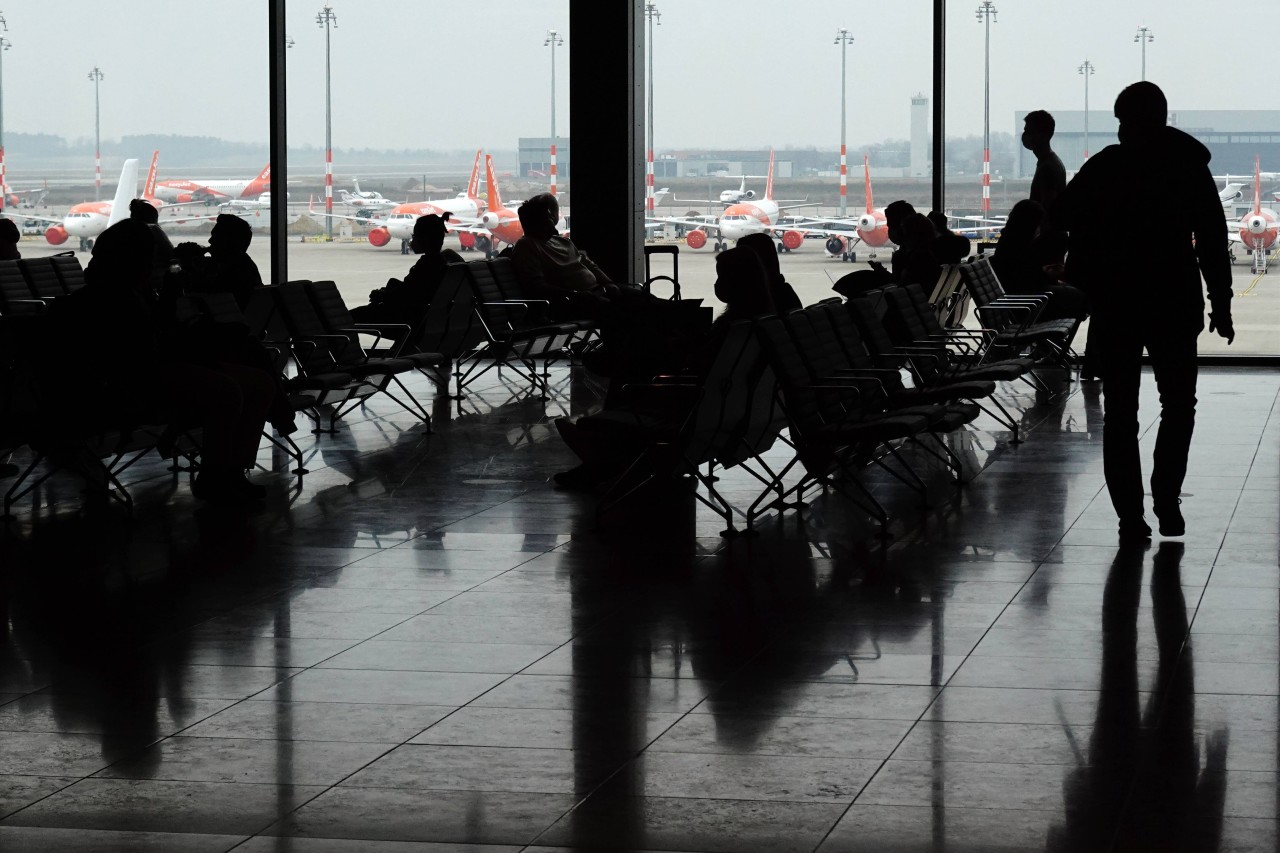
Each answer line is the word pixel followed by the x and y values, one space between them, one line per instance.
pixel 279 143
pixel 606 127
pixel 939 104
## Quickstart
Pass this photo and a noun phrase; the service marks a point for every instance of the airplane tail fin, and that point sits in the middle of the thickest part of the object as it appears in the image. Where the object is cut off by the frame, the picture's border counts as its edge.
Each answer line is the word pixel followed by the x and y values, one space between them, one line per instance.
pixel 473 185
pixel 768 184
pixel 126 191
pixel 355 182
pixel 1257 185
pixel 258 185
pixel 491 184
pixel 866 177
pixel 659 195
pixel 149 187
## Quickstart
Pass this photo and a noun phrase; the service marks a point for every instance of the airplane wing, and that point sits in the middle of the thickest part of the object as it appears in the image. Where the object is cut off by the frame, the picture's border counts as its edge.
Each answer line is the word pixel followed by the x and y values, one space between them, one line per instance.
pixel 56 221
pixel 709 227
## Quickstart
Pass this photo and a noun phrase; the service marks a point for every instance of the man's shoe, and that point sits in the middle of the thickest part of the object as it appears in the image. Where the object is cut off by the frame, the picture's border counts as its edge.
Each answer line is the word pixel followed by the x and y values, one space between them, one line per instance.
pixel 1134 529
pixel 1170 514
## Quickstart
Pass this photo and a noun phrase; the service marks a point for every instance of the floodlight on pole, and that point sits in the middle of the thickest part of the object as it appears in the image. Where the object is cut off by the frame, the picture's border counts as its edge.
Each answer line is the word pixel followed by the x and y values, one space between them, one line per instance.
pixel 1086 69
pixel 96 76
pixel 653 18
pixel 843 38
pixel 5 44
pixel 553 40
pixel 1143 37
pixel 987 15
pixel 327 19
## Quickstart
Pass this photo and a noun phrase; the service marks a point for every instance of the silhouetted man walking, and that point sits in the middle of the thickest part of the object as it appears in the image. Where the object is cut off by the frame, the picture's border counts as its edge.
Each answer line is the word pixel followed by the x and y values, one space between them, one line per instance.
pixel 1148 298
pixel 1050 178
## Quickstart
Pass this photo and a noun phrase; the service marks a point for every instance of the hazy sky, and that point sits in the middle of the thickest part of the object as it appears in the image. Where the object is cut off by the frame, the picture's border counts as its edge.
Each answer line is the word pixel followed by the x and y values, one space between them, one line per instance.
pixel 445 74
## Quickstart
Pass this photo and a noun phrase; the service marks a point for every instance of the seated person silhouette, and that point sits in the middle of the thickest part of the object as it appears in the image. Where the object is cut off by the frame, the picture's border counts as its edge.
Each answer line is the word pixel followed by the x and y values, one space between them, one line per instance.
pixel 138 376
pixel 743 285
pixel 949 247
pixel 551 266
pixel 162 253
pixel 407 301
pixel 783 294
pixel 915 262
pixel 9 237
pixel 1028 260
pixel 228 267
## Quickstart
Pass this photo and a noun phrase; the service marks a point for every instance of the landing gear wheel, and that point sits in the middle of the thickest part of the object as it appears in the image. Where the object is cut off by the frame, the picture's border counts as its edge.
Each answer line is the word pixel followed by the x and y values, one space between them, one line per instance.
pixel 404 247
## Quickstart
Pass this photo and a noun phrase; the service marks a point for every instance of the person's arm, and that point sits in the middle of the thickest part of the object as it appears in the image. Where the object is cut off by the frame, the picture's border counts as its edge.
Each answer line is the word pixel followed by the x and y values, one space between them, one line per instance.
pixel 602 277
pixel 1213 254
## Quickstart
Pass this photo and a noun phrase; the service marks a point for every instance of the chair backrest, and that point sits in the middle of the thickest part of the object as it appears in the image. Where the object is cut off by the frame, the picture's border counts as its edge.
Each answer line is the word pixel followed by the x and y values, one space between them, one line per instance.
pixel 791 372
pixel 864 314
pixel 721 407
pixel 449 326
pixel 41 277
pixel 261 316
pixel 299 314
pixel 484 286
pixel 753 394
pixel 13 284
pixel 70 273
pixel 983 286
pixel 503 271
pixel 221 307
pixel 329 305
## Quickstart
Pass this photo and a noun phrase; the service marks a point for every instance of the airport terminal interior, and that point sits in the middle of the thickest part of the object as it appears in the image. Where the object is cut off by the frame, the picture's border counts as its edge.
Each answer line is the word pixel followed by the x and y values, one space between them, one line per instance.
pixel 422 645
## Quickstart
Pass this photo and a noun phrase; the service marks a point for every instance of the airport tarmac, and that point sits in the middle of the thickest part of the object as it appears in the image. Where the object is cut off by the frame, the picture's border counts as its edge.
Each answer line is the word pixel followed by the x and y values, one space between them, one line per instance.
pixel 357 267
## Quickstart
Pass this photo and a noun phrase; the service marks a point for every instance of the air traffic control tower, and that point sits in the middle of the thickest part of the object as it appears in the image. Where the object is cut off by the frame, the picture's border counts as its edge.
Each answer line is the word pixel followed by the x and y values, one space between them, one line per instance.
pixel 919 136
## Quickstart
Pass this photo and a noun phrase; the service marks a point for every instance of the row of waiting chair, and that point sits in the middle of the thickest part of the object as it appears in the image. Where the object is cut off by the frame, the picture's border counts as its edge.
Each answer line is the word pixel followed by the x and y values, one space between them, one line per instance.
pixel 27 285
pixel 826 382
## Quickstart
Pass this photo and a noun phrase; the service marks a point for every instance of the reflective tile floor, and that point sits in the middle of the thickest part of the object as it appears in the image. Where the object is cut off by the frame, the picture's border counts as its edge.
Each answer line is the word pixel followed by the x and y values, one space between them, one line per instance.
pixel 426 647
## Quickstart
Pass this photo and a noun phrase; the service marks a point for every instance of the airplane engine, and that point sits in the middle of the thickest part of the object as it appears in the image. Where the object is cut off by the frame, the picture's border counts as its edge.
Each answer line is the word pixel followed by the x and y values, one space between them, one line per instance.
pixel 1239 195
pixel 866 222
pixel 837 246
pixel 1256 225
pixel 12 201
pixel 184 198
pixel 696 239
pixel 466 240
pixel 379 237
pixel 56 235
pixel 748 195
pixel 792 240
pixel 490 220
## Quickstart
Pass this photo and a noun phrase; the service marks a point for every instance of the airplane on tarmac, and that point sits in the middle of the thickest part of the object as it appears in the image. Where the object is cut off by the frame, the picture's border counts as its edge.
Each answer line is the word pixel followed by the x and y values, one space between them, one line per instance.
pixel 756 217
pixel 262 202
pixel 87 220
pixel 365 201
pixel 213 191
pixel 871 228
pixel 465 206
pixel 498 224
pixel 15 198
pixel 1258 230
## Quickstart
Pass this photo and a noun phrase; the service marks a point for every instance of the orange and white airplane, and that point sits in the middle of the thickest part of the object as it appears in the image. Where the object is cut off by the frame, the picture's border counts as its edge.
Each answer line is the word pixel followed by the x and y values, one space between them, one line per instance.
pixel 465 206
pixel 214 191
pixel 871 228
pixel 756 216
pixel 87 220
pixel 1259 229
pixel 499 224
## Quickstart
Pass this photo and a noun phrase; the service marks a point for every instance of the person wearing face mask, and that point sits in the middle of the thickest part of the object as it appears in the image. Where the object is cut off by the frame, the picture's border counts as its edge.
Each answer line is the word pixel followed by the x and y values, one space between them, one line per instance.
pixel 1150 299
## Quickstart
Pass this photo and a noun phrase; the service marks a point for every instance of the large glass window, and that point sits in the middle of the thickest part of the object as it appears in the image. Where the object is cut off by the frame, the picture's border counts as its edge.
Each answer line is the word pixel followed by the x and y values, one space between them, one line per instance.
pixel 162 79
pixel 415 91
pixel 733 82
pixel 1053 58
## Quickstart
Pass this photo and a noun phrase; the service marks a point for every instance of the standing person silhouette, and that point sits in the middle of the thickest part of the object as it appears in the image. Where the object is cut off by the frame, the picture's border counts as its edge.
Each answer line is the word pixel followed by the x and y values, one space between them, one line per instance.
pixel 1150 299
pixel 1050 178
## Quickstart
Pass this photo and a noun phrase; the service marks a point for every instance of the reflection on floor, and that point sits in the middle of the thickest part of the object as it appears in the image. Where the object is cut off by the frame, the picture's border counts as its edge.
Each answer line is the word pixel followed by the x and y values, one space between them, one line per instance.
pixel 427 643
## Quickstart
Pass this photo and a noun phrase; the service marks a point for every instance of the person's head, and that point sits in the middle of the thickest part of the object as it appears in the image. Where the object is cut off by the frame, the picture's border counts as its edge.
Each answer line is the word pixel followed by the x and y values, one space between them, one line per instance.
pixel 9 231
pixel 231 235
pixel 122 255
pixel 143 211
pixel 539 215
pixel 765 250
pixel 1037 130
pixel 1024 222
pixel 894 215
pixel 916 231
pixel 741 283
pixel 428 233
pixel 939 220
pixel 1142 111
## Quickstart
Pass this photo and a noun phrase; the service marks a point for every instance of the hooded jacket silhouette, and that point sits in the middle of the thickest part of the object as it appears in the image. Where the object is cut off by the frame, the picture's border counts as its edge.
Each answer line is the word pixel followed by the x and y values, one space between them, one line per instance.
pixel 1158 281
